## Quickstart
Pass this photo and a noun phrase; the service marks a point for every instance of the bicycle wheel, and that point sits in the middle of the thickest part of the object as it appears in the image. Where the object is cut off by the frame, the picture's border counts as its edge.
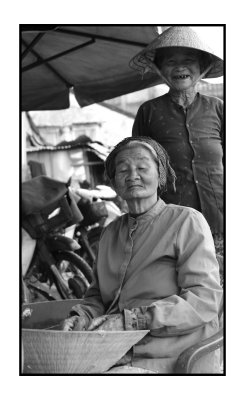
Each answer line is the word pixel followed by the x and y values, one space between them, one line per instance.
pixel 93 237
pixel 75 262
pixel 74 272
pixel 77 286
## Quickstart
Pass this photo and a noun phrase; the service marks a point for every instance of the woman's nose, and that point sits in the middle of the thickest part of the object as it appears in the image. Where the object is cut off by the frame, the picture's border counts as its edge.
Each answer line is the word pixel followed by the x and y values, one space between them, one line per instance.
pixel 180 65
pixel 132 174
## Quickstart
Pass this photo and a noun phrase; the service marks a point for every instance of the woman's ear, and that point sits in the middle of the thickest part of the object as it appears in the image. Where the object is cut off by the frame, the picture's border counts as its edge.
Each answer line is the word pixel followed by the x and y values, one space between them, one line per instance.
pixel 113 184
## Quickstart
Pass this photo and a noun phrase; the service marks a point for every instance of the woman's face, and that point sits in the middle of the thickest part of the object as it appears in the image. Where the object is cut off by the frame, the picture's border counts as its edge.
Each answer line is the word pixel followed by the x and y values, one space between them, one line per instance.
pixel 136 175
pixel 181 68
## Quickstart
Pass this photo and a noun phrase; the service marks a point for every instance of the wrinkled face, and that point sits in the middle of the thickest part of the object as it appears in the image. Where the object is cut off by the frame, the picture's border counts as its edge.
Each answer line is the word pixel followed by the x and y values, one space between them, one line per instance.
pixel 181 68
pixel 136 175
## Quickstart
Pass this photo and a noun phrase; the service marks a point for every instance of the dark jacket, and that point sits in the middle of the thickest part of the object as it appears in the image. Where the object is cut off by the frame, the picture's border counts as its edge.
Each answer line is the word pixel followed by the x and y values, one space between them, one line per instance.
pixel 193 140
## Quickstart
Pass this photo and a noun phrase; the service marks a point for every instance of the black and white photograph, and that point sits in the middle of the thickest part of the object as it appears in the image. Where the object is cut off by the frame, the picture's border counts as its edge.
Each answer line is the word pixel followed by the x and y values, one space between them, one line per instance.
pixel 122 200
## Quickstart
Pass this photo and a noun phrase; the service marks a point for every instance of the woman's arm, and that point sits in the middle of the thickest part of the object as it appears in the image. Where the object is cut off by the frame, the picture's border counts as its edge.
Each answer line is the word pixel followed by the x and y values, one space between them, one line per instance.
pixel 222 125
pixel 198 278
pixel 92 304
pixel 139 126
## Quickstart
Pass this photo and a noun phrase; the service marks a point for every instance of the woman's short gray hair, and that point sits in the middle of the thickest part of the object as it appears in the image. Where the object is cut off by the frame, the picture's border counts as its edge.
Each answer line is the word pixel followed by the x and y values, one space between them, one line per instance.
pixel 167 175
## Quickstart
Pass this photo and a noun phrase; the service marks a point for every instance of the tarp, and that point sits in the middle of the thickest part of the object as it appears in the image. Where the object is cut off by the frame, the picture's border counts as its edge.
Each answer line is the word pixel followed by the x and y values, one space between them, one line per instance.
pixel 91 60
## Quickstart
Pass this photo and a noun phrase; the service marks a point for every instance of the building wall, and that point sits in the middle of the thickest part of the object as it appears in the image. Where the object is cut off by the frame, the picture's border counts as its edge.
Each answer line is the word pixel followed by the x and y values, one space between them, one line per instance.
pixel 63 164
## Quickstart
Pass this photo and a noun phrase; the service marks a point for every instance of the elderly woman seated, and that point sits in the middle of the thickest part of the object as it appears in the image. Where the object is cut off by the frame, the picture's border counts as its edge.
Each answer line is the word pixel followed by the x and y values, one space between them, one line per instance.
pixel 156 267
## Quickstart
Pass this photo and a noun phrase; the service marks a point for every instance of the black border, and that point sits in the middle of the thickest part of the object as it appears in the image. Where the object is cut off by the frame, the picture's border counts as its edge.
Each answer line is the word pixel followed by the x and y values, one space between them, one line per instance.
pixel 45 27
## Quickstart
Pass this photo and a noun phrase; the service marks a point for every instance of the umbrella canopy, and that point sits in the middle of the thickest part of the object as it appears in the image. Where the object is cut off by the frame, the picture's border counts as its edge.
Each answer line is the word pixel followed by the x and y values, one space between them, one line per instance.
pixel 91 60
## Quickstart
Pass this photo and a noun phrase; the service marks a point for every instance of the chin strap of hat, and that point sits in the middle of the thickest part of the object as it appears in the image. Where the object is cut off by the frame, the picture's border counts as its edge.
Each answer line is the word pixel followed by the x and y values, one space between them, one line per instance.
pixel 204 73
pixel 157 70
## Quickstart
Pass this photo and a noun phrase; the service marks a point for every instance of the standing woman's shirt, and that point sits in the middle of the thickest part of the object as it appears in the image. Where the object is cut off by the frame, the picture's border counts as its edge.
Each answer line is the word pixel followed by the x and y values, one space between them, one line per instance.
pixel 193 140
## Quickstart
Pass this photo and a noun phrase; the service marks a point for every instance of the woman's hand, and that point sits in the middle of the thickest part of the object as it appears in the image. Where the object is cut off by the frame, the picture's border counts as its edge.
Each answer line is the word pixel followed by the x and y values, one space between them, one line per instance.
pixel 113 322
pixel 75 323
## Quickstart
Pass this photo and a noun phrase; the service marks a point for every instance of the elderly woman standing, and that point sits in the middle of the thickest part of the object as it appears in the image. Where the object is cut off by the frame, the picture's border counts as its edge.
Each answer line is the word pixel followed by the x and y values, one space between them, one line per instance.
pixel 187 124
pixel 156 267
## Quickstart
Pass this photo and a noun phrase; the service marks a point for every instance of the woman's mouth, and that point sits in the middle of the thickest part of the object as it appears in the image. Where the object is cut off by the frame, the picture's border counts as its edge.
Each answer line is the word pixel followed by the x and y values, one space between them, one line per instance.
pixel 179 77
pixel 132 186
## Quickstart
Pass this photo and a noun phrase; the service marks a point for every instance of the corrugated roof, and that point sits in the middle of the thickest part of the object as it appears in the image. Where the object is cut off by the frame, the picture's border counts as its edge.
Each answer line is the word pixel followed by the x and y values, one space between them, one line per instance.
pixel 95 147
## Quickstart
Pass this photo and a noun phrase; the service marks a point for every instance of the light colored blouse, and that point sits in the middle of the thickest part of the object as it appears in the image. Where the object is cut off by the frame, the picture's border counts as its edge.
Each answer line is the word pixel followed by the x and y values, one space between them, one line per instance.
pixel 160 270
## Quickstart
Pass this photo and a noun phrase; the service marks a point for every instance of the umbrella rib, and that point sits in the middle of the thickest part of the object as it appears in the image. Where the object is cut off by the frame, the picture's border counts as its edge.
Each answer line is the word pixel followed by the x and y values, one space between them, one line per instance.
pixel 32 44
pixel 102 37
pixel 58 55
pixel 50 67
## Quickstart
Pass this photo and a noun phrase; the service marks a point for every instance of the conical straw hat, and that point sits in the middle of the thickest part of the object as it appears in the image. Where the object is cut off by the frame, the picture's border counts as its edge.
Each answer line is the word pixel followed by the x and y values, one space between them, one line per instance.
pixel 49 351
pixel 59 352
pixel 176 36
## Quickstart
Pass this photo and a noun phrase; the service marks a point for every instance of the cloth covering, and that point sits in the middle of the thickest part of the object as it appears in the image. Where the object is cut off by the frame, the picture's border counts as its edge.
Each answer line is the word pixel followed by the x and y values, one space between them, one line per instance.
pixel 41 192
pixel 162 271
pixel 40 197
pixel 193 141
pixel 167 175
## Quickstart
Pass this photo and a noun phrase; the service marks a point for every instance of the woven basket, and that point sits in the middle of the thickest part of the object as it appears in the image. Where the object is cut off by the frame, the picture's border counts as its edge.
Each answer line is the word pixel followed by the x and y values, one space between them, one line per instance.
pixel 57 352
